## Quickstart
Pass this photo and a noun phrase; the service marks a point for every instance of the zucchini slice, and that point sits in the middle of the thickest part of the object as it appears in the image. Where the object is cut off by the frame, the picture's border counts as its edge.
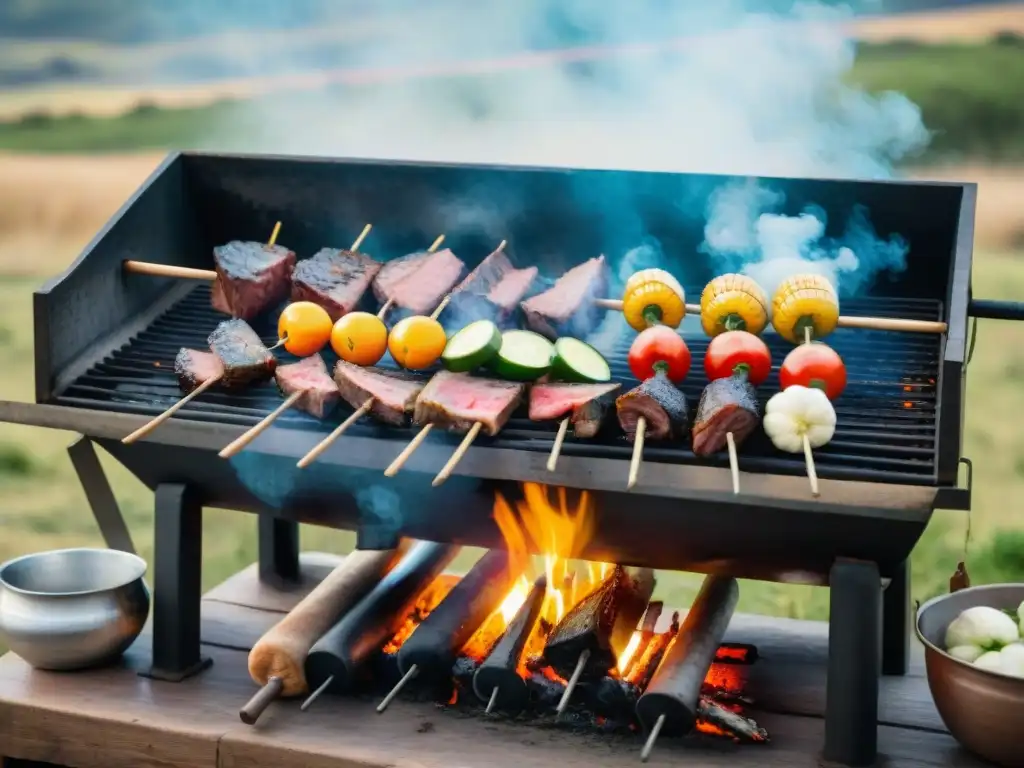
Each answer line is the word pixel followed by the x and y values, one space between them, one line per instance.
pixel 473 346
pixel 579 362
pixel 524 356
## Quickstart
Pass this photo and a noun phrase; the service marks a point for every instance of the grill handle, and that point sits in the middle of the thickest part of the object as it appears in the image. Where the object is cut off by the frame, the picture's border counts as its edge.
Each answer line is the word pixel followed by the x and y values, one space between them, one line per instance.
pixel 995 310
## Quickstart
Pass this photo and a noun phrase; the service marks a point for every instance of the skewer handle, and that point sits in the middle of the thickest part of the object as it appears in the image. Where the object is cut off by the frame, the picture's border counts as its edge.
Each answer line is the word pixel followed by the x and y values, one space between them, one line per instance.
pixel 403 457
pixel 413 671
pixel 316 694
pixel 167 270
pixel 326 443
pixel 247 437
pixel 145 429
pixel 734 462
pixel 892 324
pixel 556 449
pixel 492 701
pixel 262 699
pixel 362 236
pixel 638 452
pixel 436 244
pixel 273 235
pixel 464 446
pixel 645 753
pixel 812 473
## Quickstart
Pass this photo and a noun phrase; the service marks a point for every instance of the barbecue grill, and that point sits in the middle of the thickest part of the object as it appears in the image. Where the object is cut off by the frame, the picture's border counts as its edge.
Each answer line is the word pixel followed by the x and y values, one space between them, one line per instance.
pixel 105 343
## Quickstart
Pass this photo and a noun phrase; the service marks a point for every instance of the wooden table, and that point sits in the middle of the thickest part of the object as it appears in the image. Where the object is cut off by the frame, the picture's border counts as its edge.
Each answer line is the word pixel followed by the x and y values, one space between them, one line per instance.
pixel 115 719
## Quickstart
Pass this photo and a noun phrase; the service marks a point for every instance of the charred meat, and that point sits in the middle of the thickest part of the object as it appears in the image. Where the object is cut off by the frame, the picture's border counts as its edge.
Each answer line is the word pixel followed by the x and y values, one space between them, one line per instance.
pixel 245 358
pixel 334 279
pixel 587 404
pixel 194 368
pixel 393 392
pixel 603 623
pixel 567 308
pixel 250 277
pixel 726 405
pixel 309 376
pixel 457 401
pixel 661 404
pixel 493 290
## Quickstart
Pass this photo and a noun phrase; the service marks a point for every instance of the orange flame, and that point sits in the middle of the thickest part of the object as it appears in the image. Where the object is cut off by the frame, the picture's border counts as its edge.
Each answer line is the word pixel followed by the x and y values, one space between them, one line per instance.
pixel 428 600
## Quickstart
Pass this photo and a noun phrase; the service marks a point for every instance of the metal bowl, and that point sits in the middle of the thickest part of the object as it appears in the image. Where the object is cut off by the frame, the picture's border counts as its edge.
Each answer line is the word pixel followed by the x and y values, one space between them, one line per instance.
pixel 72 608
pixel 983 710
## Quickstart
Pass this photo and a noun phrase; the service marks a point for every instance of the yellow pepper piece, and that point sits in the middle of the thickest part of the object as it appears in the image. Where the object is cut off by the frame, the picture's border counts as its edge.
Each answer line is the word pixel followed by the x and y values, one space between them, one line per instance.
pixel 733 303
pixel 653 297
pixel 802 302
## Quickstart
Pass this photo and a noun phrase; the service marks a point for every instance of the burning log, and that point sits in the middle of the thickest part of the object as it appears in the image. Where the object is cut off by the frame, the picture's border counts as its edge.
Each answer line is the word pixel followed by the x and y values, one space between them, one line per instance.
pixel 732 723
pixel 434 645
pixel 673 695
pixel 647 633
pixel 591 637
pixel 333 661
pixel 497 679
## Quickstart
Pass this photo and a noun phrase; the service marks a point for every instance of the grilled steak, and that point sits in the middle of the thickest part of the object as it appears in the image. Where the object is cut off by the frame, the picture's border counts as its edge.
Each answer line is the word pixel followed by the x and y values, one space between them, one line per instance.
pixel 421 290
pixel 661 404
pixel 250 277
pixel 567 308
pixel 493 290
pixel 395 271
pixel 393 392
pixel 309 376
pixel 588 404
pixel 194 368
pixel 726 405
pixel 334 279
pixel 457 401
pixel 245 358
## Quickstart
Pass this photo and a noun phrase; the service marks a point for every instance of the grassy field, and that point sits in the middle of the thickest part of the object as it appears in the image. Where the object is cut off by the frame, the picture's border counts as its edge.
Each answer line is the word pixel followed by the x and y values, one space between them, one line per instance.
pixel 44 506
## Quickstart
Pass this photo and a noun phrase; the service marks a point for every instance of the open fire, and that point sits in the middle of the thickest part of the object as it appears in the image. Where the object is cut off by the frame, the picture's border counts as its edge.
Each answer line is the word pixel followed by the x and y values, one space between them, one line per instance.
pixel 576 641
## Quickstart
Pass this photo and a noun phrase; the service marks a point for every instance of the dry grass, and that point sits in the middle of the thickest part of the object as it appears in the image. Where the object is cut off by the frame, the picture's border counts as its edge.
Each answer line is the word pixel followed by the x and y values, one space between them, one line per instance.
pixel 960 24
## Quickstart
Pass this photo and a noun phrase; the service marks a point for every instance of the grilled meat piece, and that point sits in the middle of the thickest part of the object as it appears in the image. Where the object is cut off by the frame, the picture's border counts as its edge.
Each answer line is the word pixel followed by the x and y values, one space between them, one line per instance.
pixel 422 289
pixel 245 358
pixel 457 401
pixel 493 290
pixel 250 277
pixel 309 376
pixel 588 404
pixel 395 271
pixel 567 308
pixel 726 405
pixel 603 622
pixel 334 279
pixel 194 368
pixel 660 402
pixel 393 392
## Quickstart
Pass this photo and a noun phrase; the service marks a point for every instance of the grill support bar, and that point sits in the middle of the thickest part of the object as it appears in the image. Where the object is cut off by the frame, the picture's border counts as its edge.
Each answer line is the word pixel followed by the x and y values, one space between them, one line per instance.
pixel 177 585
pixel 854 663
pixel 896 613
pixel 100 495
pixel 278 551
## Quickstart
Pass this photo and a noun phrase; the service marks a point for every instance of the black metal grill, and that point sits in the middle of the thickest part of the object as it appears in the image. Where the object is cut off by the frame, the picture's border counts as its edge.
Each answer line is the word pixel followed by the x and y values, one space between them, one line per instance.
pixel 886 417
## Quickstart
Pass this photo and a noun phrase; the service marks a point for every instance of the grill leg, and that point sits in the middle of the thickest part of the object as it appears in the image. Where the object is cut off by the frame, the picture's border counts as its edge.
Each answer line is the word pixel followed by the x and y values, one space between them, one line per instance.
pixel 896 618
pixel 177 586
pixel 854 663
pixel 100 496
pixel 279 550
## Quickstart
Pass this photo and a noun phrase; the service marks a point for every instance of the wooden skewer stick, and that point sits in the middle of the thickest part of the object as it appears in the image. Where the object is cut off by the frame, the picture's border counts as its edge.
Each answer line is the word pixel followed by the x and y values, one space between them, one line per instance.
pixel 464 446
pixel 734 462
pixel 362 236
pixel 812 473
pixel 324 444
pixel 845 321
pixel 574 680
pixel 391 302
pixel 247 437
pixel 413 671
pixel 145 429
pixel 403 457
pixel 556 449
pixel 645 753
pixel 638 452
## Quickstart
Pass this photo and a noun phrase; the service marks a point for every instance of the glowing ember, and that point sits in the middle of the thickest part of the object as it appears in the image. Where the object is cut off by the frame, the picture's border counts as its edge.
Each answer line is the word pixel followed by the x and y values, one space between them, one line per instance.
pixel 629 652
pixel 425 603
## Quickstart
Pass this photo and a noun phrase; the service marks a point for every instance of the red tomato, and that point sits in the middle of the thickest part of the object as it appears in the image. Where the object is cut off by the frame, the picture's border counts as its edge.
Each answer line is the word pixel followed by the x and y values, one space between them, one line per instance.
pixel 814 365
pixel 735 352
pixel 656 348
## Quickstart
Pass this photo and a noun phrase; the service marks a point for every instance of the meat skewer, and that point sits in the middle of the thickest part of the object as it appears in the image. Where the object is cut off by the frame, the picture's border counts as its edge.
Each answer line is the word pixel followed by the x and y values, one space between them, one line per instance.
pixel 237 357
pixel 673 696
pixel 308 387
pixel 332 662
pixel 276 661
pixel 407 270
pixel 434 645
pixel 335 279
pixel 588 641
pixel 497 680
pixel 586 406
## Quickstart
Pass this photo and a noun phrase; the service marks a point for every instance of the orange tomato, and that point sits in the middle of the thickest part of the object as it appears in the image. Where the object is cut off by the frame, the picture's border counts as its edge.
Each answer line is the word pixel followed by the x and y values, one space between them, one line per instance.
pixel 360 338
pixel 305 328
pixel 417 342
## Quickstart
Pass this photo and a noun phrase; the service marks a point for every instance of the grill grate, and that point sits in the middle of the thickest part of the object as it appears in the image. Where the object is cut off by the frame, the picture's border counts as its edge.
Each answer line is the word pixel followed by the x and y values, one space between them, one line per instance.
pixel 886 417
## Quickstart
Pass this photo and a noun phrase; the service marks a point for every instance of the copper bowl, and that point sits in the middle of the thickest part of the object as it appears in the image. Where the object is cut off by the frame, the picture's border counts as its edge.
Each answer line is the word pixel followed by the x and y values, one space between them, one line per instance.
pixel 983 710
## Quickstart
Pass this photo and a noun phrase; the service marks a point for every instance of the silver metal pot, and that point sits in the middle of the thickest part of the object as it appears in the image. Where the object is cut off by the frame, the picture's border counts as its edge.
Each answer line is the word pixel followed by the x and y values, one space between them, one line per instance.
pixel 983 710
pixel 72 608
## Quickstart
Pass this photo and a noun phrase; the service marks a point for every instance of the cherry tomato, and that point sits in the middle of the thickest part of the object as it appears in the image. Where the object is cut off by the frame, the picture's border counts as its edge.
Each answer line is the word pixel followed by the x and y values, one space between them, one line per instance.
pixel 417 342
pixel 360 338
pixel 814 365
pixel 735 352
pixel 659 348
pixel 305 328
